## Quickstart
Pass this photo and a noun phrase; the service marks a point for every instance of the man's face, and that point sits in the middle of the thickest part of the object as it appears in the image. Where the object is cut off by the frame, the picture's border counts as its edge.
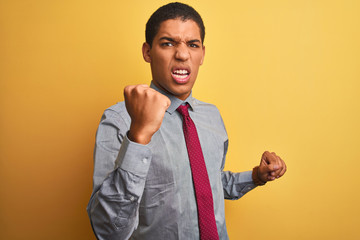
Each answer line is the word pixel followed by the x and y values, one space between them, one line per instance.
pixel 175 56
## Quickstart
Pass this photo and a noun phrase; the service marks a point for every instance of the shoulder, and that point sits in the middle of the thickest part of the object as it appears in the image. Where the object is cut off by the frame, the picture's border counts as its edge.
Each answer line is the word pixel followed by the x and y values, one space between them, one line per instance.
pixel 208 111
pixel 118 108
pixel 209 116
pixel 116 113
pixel 206 108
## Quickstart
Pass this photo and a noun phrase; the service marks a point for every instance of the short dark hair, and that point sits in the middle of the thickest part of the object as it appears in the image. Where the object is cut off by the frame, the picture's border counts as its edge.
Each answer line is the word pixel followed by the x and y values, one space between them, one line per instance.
pixel 172 11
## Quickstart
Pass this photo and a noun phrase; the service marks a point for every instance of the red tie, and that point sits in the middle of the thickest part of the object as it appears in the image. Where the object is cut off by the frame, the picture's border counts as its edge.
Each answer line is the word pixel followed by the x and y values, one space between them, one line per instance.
pixel 204 200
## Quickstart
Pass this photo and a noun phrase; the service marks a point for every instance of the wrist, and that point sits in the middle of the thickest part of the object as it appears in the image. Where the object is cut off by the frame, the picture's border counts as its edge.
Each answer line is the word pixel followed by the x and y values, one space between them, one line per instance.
pixel 256 178
pixel 141 138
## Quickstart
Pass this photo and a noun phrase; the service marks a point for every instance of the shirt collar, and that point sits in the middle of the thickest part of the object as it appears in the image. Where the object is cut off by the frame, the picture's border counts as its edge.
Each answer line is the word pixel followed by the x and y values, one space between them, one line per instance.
pixel 175 102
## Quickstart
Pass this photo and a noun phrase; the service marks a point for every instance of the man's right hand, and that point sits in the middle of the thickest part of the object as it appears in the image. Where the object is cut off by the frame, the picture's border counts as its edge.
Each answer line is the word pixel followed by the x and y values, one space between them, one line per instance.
pixel 146 108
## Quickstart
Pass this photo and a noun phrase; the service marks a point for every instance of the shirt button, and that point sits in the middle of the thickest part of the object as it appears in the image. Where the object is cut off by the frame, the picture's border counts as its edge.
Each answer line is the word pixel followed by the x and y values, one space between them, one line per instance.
pixel 132 198
pixel 249 188
pixel 145 160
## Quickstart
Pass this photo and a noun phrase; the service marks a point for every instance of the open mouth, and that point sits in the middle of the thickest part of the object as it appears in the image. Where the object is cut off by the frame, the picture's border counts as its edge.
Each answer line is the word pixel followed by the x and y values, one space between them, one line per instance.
pixel 180 75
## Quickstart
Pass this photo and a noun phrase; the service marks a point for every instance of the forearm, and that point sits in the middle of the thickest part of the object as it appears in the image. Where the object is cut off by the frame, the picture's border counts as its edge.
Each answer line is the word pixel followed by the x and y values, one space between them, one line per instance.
pixel 236 185
pixel 120 170
pixel 113 208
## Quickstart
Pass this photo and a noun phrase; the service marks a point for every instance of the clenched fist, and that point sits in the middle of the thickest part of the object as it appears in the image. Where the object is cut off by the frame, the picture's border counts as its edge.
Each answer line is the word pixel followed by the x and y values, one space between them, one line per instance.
pixel 146 108
pixel 271 167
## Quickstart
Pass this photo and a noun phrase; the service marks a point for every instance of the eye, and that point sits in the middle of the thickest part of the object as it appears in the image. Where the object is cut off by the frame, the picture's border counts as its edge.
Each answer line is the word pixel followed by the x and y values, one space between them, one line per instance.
pixel 167 44
pixel 193 45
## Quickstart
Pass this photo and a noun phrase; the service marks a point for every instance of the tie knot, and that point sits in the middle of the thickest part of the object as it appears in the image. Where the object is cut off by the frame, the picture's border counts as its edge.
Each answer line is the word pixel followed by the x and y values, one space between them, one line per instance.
pixel 183 110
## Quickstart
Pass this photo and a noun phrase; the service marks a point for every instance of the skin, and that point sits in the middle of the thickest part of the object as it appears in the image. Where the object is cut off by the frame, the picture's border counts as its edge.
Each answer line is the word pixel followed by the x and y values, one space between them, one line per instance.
pixel 146 108
pixel 271 167
pixel 176 46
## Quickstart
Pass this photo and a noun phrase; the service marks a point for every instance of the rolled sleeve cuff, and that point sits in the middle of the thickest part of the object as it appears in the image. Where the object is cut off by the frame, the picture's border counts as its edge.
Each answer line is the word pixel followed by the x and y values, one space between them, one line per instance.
pixel 134 157
pixel 247 177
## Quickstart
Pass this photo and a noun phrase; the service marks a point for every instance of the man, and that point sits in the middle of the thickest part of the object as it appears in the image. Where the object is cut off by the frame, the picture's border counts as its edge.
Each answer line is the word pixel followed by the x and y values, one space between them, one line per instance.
pixel 159 156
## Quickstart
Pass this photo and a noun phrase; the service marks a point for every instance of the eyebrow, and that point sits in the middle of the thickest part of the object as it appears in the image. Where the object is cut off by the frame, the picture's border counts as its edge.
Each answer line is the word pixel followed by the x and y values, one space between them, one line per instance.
pixel 194 41
pixel 173 40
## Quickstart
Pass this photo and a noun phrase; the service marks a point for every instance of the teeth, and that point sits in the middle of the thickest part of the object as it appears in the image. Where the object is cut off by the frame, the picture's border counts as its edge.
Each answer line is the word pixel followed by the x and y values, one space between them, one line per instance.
pixel 181 72
pixel 180 76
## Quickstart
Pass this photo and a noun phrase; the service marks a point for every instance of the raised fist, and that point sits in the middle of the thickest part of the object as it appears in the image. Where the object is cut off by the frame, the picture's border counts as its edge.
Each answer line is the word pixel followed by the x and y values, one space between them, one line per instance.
pixel 146 108
pixel 271 167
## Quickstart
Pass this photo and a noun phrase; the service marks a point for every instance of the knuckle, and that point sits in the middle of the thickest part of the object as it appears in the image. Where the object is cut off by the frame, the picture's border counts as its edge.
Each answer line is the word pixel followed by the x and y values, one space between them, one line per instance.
pixel 152 94
pixel 146 93
pixel 158 96
pixel 126 89
pixel 137 88
pixel 161 97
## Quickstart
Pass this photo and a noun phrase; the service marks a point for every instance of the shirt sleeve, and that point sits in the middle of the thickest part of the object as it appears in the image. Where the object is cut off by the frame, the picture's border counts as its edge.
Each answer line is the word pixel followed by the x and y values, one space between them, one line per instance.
pixel 235 184
pixel 120 170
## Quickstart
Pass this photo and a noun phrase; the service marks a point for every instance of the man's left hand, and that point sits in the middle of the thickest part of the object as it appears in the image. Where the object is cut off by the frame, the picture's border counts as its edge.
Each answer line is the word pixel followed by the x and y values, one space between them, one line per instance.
pixel 271 167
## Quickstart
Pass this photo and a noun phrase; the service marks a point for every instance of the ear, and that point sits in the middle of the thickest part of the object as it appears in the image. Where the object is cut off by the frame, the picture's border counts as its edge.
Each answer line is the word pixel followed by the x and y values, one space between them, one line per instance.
pixel 146 52
pixel 203 56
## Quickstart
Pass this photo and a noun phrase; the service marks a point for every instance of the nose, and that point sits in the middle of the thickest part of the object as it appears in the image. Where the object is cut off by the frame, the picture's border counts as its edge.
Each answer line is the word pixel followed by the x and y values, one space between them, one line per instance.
pixel 182 52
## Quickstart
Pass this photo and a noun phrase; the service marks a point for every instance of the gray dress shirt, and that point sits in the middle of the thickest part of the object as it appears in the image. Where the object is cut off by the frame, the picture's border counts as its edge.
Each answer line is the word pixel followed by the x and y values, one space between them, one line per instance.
pixel 146 191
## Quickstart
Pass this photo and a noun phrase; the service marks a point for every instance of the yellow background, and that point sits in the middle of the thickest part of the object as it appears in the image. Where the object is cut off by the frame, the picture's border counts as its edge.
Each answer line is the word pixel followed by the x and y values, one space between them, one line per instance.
pixel 284 74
